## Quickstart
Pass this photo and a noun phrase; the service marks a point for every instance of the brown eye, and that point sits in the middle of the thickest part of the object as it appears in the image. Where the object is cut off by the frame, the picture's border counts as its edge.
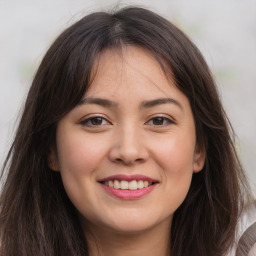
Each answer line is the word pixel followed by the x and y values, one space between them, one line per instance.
pixel 94 121
pixel 160 121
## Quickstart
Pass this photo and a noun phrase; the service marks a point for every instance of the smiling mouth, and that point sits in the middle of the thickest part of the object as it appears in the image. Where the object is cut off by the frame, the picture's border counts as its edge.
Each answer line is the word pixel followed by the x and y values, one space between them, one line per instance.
pixel 128 182
pixel 128 185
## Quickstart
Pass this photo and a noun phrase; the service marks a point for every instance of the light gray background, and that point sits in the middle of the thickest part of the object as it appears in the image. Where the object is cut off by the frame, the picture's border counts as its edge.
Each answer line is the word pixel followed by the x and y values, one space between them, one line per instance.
pixel 224 30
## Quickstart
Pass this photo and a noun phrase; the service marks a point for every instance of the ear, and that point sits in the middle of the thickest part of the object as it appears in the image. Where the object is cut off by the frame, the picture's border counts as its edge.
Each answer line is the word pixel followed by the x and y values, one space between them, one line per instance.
pixel 199 158
pixel 53 162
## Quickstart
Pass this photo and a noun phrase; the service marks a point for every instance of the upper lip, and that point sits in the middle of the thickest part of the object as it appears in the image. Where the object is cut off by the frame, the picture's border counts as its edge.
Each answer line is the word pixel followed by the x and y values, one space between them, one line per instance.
pixel 128 178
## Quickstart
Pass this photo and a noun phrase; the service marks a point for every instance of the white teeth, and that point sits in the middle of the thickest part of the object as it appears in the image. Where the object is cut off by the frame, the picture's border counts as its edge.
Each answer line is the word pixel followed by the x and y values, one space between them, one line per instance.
pixel 116 184
pixel 145 183
pixel 140 184
pixel 124 184
pixel 110 183
pixel 133 185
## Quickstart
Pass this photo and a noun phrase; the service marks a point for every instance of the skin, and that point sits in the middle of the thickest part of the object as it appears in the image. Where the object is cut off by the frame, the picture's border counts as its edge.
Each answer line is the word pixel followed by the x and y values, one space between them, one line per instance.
pixel 129 137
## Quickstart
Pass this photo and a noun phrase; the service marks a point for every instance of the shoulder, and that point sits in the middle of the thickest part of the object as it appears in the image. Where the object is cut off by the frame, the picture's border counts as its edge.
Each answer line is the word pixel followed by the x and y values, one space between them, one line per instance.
pixel 252 252
pixel 246 245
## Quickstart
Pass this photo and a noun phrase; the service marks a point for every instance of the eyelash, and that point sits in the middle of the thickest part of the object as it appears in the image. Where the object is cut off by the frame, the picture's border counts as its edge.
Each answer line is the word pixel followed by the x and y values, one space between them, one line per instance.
pixel 167 121
pixel 88 122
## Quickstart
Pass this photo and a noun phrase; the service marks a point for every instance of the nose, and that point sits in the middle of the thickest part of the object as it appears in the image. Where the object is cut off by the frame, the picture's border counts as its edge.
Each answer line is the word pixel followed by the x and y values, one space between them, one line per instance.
pixel 129 147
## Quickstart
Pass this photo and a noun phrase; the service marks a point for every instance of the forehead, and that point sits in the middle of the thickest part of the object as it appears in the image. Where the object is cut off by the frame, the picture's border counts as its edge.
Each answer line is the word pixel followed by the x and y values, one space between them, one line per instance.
pixel 129 68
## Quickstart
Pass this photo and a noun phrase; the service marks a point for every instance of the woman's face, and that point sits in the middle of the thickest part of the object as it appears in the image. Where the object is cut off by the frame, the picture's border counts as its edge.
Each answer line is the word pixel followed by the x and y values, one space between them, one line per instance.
pixel 135 130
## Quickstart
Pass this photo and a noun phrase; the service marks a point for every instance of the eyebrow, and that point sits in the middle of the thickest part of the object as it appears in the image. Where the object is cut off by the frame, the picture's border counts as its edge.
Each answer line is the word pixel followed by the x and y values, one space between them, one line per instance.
pixel 152 103
pixel 144 104
pixel 99 101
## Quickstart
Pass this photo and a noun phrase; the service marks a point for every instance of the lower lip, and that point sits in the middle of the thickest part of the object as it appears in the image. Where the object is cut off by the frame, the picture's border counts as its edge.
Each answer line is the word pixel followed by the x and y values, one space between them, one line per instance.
pixel 129 194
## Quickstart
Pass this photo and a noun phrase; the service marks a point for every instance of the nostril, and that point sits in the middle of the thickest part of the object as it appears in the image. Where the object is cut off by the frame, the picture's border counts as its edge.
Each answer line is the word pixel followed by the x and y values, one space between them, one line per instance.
pixel 129 161
pixel 126 152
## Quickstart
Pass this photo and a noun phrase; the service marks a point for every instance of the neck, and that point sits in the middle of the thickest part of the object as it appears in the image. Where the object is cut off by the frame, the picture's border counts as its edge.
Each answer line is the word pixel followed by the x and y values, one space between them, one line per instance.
pixel 151 242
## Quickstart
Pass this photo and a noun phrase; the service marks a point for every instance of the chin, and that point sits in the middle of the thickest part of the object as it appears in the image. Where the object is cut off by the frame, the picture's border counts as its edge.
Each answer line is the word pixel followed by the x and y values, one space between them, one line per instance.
pixel 136 224
pixel 127 229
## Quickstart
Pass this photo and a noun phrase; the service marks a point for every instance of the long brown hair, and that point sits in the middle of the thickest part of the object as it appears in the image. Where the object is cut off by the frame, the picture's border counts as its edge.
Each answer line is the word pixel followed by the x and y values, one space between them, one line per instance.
pixel 37 217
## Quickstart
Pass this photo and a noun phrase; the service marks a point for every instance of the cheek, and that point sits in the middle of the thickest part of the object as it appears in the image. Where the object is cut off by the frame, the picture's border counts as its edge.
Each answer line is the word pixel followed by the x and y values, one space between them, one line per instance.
pixel 175 155
pixel 176 159
pixel 79 157
pixel 79 153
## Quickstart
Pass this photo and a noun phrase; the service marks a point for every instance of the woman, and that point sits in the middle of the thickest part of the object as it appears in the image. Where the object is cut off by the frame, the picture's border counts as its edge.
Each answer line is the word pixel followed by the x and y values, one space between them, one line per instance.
pixel 123 147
